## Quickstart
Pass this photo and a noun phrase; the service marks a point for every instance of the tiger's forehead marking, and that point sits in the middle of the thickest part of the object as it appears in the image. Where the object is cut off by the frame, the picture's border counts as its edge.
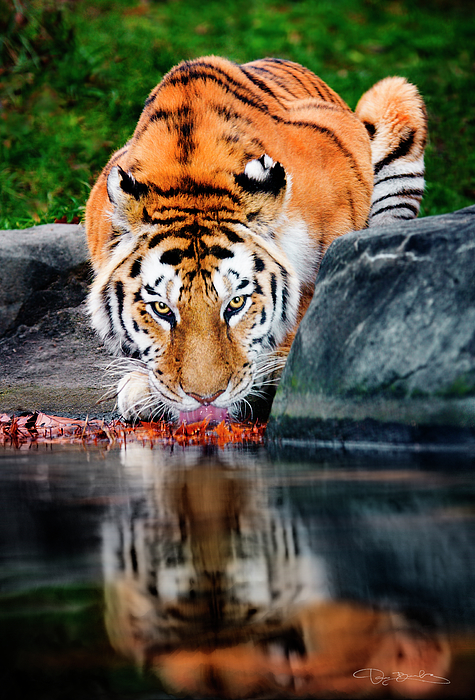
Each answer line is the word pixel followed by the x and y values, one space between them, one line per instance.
pixel 234 275
pixel 221 272
pixel 160 279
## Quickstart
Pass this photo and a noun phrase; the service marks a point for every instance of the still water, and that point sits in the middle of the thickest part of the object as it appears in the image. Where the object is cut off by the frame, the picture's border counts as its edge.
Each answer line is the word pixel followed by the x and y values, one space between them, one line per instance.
pixel 146 573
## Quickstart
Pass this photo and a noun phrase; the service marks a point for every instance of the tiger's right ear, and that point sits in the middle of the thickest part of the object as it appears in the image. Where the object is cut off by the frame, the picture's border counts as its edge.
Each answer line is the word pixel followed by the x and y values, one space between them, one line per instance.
pixel 262 176
pixel 121 185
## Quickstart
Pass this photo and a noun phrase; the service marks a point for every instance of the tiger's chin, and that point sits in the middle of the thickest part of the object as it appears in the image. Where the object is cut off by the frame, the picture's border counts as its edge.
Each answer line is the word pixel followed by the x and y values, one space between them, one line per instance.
pixel 136 400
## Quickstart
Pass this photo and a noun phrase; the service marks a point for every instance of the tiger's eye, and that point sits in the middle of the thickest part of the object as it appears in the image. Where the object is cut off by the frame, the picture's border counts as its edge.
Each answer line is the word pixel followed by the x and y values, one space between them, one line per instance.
pixel 237 303
pixel 162 308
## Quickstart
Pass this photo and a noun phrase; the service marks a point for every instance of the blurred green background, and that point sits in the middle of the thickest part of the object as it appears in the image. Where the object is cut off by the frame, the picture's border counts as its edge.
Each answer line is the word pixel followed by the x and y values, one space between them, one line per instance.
pixel 74 75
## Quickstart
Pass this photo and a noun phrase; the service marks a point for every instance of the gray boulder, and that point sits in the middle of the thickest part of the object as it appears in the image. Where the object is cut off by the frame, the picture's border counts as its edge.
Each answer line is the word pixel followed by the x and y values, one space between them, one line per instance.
pixel 35 266
pixel 386 350
pixel 50 359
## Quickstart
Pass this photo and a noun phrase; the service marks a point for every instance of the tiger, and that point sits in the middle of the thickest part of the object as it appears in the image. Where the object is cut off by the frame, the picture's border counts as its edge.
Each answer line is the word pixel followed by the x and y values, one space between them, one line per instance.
pixel 217 587
pixel 207 228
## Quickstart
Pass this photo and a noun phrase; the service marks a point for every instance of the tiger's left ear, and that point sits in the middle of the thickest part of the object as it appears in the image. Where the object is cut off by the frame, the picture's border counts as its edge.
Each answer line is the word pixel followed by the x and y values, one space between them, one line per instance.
pixel 120 183
pixel 263 176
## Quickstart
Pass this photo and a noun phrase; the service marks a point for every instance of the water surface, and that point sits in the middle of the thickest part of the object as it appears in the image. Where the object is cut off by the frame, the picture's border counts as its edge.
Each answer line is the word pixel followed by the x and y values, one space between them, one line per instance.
pixel 145 572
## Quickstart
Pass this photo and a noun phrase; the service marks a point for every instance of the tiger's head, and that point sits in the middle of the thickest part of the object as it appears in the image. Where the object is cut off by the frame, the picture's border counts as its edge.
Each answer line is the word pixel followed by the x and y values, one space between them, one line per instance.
pixel 196 290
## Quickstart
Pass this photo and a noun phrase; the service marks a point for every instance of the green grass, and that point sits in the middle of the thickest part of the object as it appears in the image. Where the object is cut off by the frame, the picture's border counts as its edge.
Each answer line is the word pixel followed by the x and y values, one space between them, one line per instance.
pixel 74 76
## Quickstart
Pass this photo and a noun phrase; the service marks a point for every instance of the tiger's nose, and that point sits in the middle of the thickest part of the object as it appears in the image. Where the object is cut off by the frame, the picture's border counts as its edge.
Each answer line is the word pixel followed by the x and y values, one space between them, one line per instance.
pixel 205 400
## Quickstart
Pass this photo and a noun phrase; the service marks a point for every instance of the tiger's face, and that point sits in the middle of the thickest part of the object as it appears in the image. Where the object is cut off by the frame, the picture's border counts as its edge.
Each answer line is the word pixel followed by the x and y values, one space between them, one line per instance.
pixel 198 300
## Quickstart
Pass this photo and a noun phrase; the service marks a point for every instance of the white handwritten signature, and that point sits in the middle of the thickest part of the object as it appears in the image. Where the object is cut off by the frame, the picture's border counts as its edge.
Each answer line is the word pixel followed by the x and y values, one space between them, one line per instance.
pixel 376 676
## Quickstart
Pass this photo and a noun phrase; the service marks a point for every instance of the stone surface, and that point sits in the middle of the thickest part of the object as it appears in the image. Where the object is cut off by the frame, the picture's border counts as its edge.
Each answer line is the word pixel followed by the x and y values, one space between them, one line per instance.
pixel 50 359
pixel 55 366
pixel 37 272
pixel 386 350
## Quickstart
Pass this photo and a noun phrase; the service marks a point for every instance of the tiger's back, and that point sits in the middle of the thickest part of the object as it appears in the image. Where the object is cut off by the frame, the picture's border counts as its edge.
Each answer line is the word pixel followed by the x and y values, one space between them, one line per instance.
pixel 206 230
pixel 208 118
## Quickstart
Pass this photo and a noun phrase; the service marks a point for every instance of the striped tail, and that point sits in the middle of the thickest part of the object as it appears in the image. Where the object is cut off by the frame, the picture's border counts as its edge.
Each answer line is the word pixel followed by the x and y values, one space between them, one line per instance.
pixel 394 115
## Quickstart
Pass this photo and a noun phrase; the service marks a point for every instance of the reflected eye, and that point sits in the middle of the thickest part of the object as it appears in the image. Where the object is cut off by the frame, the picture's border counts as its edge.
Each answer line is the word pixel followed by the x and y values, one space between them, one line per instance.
pixel 237 303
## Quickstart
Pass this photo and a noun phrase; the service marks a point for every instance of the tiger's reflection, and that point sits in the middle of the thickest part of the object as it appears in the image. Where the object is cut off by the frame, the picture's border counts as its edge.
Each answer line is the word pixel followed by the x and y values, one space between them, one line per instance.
pixel 217 591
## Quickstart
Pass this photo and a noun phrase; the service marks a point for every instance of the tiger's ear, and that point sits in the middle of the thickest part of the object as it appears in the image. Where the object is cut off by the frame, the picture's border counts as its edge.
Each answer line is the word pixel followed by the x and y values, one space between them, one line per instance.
pixel 121 185
pixel 263 176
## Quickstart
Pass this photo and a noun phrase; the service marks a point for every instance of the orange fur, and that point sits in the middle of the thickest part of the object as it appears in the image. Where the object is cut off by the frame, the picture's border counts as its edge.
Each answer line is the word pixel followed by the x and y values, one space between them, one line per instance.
pixel 324 178
pixel 262 160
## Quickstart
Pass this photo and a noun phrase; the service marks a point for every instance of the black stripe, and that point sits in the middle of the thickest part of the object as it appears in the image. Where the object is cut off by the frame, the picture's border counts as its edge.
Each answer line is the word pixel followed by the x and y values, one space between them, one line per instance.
pixel 219 77
pixel 315 81
pixel 399 152
pixel 403 205
pixel 132 186
pixel 157 239
pixel 161 115
pixel 116 233
pixel 136 267
pixel 398 177
pixel 122 262
pixel 193 210
pixel 402 193
pixel 174 256
pixel 151 97
pixel 186 142
pixel 231 235
pixel 325 92
pixel 106 303
pixel 220 252
pixel 118 155
pixel 119 292
pixel 285 297
pixel 273 285
pixel 258 340
pixel 293 69
pixel 175 115
pixel 264 87
pixel 283 272
pixel 370 128
pixel 160 237
pixel 195 189
pixel 259 265
pixel 283 83
pixel 146 216
pixel 230 113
